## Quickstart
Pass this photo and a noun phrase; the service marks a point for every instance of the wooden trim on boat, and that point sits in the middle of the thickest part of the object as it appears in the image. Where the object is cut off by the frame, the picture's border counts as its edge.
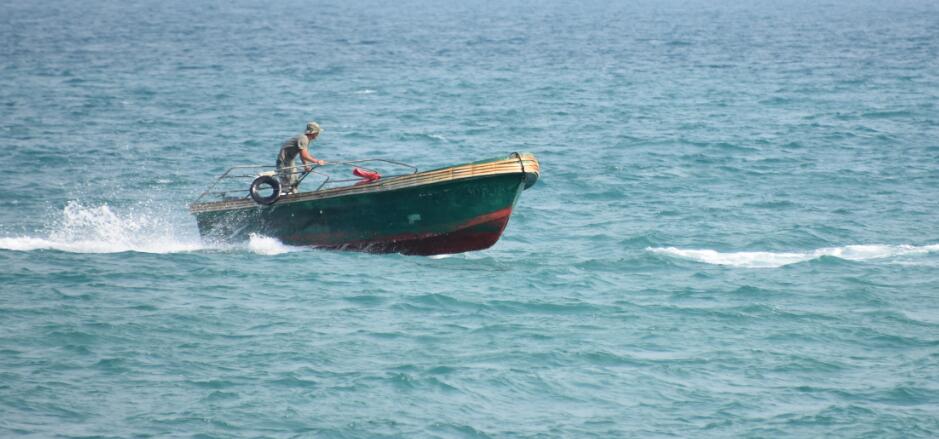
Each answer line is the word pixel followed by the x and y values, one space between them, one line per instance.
pixel 523 163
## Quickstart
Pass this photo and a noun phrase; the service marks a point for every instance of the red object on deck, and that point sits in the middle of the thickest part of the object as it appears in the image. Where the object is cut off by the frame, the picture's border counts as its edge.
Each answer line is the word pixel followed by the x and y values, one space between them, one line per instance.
pixel 368 176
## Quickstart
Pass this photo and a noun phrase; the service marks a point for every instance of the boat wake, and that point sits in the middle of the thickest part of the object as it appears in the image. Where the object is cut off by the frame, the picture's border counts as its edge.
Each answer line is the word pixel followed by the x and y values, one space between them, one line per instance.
pixel 100 229
pixel 143 229
pixel 774 259
pixel 265 245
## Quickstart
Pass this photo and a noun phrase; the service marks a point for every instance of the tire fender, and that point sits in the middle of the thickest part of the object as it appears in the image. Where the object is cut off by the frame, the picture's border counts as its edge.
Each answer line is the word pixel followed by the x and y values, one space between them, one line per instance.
pixel 265 180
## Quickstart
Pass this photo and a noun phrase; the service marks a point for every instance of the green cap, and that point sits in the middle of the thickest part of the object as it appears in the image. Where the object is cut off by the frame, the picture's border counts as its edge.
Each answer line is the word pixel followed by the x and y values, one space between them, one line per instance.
pixel 313 128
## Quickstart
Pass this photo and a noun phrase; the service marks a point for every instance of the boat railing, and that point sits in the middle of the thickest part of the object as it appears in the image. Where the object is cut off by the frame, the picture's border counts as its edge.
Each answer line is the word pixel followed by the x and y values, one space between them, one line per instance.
pixel 225 188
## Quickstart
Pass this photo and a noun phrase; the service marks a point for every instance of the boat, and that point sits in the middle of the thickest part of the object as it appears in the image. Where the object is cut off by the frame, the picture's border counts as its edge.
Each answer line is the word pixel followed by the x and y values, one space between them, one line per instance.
pixel 448 210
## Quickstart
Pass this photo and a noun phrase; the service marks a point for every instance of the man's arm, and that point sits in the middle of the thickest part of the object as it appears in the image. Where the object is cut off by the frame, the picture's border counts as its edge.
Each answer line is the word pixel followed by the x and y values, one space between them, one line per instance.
pixel 307 158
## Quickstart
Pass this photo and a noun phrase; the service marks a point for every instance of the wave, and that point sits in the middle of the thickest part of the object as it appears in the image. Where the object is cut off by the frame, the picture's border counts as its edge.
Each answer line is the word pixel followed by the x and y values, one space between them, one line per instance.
pixel 103 229
pixel 779 259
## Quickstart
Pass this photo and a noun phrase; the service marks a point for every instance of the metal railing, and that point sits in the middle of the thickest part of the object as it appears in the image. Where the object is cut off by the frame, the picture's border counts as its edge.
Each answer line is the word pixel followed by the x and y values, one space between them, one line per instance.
pixel 230 177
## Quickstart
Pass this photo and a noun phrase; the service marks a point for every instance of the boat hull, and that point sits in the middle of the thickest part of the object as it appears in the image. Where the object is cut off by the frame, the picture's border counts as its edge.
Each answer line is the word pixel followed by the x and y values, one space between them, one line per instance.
pixel 447 217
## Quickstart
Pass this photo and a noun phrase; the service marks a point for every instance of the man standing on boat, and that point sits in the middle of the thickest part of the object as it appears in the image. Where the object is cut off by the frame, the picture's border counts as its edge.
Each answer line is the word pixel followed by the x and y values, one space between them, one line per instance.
pixel 289 150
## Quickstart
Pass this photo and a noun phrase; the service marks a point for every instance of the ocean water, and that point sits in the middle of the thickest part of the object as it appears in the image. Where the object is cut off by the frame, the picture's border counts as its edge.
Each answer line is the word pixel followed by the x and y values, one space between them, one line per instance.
pixel 735 233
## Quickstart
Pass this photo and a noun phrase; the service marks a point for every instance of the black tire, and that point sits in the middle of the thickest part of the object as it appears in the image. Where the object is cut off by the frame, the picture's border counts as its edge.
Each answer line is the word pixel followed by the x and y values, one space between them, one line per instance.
pixel 270 181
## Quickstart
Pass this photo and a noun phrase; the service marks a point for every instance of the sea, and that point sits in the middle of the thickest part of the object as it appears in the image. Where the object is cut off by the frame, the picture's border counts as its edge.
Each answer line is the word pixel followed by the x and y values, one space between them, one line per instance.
pixel 735 232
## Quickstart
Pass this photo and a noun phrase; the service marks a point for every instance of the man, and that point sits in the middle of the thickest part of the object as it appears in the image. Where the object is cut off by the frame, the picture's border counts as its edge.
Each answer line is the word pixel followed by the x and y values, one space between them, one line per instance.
pixel 289 150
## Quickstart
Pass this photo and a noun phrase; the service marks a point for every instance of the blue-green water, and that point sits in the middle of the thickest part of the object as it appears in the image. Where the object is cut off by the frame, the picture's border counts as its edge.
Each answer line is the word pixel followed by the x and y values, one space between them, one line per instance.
pixel 735 233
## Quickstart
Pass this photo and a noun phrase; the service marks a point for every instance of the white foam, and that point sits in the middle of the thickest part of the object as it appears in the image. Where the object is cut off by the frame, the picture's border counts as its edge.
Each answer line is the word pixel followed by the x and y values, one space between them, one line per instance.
pixel 82 228
pixel 26 243
pixel 265 245
pixel 779 259
pixel 100 229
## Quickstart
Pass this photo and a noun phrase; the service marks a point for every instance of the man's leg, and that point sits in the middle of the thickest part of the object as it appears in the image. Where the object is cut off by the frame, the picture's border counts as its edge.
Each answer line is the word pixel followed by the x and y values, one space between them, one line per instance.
pixel 287 176
pixel 294 179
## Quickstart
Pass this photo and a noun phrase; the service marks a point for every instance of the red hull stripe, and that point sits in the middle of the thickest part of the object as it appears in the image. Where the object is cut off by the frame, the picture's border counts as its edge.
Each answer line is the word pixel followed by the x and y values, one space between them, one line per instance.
pixel 475 234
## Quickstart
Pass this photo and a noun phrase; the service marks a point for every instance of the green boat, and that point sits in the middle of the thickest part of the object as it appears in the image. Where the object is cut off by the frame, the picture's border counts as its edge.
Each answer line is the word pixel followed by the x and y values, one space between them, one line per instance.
pixel 448 210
